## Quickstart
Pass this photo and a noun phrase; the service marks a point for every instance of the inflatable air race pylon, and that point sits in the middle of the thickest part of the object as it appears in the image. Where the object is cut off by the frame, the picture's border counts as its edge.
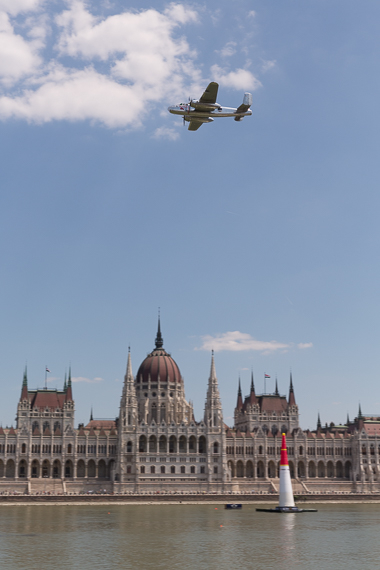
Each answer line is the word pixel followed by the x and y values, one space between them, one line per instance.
pixel 286 491
pixel 286 499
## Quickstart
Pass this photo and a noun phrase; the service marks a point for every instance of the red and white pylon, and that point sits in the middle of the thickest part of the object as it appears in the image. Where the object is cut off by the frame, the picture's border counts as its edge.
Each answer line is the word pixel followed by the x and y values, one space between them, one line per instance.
pixel 286 491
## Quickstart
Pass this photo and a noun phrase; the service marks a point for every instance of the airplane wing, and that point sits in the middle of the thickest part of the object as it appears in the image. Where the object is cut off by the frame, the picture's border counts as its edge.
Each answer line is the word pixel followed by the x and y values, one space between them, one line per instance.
pixel 210 94
pixel 194 125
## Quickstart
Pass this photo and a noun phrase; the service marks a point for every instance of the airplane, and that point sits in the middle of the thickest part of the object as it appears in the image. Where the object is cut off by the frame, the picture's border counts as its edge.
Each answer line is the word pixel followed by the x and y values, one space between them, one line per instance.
pixel 204 110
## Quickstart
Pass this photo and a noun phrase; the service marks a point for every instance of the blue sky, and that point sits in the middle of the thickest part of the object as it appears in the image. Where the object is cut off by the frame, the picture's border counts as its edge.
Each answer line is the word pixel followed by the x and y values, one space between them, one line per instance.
pixel 259 239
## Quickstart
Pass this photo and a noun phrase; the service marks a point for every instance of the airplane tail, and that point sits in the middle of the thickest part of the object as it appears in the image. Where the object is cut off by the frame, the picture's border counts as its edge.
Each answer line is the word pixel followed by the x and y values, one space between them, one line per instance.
pixel 247 102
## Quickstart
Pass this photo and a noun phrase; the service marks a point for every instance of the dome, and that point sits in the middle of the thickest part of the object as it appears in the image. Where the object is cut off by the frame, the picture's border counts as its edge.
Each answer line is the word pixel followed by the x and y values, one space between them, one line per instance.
pixel 159 366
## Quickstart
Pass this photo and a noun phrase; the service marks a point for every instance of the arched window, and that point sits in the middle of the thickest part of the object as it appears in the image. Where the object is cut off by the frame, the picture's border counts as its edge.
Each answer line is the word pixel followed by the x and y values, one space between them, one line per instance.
pixel 35 425
pixel 142 444
pixel 172 469
pixel 364 450
pixel 301 450
pixel 202 444
pixel 154 412
pixel 142 469
pixel 57 425
pixel 274 430
pixel 129 469
pixel 129 447
pixel 182 469
pixel 192 469
pixel 153 469
pixel 45 426
pixel 216 447
pixel 69 448
pixel 163 413
pixel 162 468
pixel 260 449
pixel 23 448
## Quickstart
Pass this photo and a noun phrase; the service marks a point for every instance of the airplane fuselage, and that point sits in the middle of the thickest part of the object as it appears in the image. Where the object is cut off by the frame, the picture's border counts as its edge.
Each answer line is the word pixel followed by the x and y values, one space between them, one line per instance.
pixel 189 113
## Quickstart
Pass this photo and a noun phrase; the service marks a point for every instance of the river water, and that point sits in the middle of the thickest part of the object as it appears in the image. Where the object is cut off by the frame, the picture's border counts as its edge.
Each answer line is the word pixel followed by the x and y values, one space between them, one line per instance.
pixel 90 537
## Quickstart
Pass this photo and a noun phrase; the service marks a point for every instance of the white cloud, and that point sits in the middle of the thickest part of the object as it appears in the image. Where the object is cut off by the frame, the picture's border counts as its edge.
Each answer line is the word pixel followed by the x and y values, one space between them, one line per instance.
pixel 238 341
pixel 18 56
pixel 15 7
pixel 238 79
pixel 74 96
pixel 114 70
pixel 251 14
pixel 87 380
pixel 303 345
pixel 267 65
pixel 165 133
pixel 228 50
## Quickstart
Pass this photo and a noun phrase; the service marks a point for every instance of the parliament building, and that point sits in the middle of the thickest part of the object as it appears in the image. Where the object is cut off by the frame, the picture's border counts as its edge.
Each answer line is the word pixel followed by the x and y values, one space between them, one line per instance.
pixel 157 445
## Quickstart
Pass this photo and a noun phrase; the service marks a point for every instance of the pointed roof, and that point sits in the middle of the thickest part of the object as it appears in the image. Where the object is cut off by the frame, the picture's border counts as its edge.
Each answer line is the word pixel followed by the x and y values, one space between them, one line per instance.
pixel 57 431
pixel 129 373
pixel 319 425
pixel 24 389
pixel 277 393
pixel 81 431
pixel 252 395
pixel 69 393
pixel 360 415
pixel 238 433
pixel 47 431
pixel 91 415
pixel 12 431
pixel 292 399
pixel 212 369
pixel 239 403
pixel 159 339
pixel 36 431
pixel 92 431
pixel 102 432
pixel 1 430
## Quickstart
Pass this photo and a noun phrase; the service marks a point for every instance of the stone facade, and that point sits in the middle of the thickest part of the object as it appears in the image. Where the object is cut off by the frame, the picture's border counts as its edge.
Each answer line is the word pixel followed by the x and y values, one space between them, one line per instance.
pixel 156 444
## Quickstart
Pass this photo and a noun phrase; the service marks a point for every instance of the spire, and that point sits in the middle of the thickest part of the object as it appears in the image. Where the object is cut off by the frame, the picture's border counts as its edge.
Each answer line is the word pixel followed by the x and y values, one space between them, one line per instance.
pixel 277 393
pixel 319 425
pixel 252 396
pixel 129 373
pixel 348 419
pixel 212 369
pixel 292 399
pixel 213 415
pixel 360 415
pixel 91 415
pixel 159 339
pixel 24 389
pixel 239 403
pixel 65 383
pixel 69 393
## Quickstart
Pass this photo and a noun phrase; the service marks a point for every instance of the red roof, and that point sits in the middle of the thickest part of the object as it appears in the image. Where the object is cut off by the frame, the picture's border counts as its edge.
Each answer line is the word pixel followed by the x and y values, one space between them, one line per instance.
pixel 372 429
pixel 101 424
pixel 158 365
pixel 42 399
pixel 269 403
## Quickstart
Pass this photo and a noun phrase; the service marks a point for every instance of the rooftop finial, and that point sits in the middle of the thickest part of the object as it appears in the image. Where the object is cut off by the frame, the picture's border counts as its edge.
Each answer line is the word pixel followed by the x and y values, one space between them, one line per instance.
pixel 91 415
pixel 159 339
pixel 252 383
pixel 319 424
pixel 360 415
pixel 277 393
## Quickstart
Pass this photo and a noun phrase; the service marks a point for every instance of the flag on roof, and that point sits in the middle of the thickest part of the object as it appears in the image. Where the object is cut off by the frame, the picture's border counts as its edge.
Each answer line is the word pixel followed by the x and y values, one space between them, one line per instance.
pixel 267 376
pixel 47 369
